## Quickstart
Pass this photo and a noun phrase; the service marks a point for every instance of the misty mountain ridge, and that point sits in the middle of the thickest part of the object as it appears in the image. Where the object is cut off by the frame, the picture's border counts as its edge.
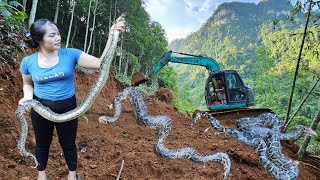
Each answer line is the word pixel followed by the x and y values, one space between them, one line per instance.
pixel 238 11
pixel 231 34
pixel 245 17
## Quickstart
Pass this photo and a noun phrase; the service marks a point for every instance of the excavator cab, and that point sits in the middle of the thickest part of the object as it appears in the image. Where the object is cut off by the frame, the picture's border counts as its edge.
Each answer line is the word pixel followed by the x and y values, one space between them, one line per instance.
pixel 226 90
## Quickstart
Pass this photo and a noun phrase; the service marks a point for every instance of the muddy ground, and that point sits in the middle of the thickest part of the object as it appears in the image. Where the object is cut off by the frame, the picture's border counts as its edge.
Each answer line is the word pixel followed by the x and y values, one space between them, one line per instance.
pixel 103 148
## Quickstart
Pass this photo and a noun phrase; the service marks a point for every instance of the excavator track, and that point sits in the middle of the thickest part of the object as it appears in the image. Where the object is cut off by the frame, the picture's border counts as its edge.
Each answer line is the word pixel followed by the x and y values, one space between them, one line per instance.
pixel 235 113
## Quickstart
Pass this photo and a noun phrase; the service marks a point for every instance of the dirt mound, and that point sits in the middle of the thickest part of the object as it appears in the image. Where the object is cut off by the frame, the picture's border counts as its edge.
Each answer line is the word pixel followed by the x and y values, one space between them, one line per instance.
pixel 164 94
pixel 102 148
pixel 138 78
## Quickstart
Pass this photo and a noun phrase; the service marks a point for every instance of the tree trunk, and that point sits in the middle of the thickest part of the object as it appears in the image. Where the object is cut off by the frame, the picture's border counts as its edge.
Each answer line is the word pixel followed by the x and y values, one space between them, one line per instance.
pixel 127 66
pixel 306 141
pixel 300 105
pixel 73 4
pixel 93 26
pixel 57 12
pixel 33 12
pixel 88 20
pixel 74 34
pixel 100 45
pixel 24 5
pixel 121 54
pixel 297 66
pixel 120 61
pixel 110 24
pixel 110 14
pixel 94 43
pixel 115 11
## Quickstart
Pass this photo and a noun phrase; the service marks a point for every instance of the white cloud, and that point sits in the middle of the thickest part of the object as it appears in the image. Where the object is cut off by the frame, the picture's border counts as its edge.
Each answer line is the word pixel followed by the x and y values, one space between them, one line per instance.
pixel 182 17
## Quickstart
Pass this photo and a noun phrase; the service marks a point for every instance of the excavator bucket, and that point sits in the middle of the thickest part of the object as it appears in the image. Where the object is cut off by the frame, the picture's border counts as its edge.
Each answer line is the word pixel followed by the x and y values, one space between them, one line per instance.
pixel 138 78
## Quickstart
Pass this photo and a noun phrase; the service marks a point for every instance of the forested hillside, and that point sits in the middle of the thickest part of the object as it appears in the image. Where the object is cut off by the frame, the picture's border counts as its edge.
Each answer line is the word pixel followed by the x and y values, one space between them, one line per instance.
pixel 261 41
pixel 231 34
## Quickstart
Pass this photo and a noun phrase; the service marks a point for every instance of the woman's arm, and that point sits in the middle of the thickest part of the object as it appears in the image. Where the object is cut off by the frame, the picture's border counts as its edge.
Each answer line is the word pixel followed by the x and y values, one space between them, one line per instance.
pixel 27 88
pixel 89 61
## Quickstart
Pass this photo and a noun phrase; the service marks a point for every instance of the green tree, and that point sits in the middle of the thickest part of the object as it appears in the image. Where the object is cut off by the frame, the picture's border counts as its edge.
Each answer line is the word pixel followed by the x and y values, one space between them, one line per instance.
pixel 11 13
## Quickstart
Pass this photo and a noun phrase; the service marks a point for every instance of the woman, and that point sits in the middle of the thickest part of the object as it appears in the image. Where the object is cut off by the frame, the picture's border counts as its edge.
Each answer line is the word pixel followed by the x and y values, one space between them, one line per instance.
pixel 48 76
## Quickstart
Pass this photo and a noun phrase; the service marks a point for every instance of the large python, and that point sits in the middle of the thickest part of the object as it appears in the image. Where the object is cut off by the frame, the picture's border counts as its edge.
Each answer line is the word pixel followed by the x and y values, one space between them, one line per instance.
pixel 163 125
pixel 75 113
pixel 263 133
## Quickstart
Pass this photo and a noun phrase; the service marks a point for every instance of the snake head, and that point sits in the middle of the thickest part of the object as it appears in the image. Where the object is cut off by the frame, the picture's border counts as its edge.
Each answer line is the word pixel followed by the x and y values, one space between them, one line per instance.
pixel 122 17
pixel 311 132
pixel 195 120
pixel 106 119
pixel 306 130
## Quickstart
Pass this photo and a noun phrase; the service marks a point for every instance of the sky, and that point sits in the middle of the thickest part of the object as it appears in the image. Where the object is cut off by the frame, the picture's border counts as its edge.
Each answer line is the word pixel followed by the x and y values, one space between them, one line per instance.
pixel 180 18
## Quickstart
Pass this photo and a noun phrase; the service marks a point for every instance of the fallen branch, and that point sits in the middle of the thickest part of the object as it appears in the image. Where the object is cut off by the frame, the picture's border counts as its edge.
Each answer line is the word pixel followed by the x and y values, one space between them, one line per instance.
pixel 308 164
pixel 120 171
pixel 317 158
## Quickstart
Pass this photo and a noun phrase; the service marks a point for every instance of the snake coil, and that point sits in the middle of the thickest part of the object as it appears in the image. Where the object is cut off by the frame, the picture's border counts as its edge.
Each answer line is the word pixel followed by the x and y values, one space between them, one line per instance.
pixel 163 125
pixel 255 132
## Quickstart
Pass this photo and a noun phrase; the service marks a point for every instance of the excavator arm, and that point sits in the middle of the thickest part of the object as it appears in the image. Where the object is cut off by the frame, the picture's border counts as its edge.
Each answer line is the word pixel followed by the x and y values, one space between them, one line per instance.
pixel 191 59
pixel 163 61
pixel 197 60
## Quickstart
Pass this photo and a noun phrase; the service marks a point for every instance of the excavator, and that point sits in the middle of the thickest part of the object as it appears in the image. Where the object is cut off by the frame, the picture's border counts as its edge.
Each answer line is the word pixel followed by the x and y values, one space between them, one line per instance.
pixel 224 89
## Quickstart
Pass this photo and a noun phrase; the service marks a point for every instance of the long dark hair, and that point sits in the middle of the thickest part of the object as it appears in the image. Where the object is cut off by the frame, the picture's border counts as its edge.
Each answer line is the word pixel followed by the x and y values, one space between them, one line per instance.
pixel 37 31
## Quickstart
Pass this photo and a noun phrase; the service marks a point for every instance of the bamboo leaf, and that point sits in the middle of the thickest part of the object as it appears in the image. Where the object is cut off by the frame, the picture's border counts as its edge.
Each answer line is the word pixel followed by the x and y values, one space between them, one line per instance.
pixel 20 15
pixel 6 13
pixel 15 3
pixel 86 119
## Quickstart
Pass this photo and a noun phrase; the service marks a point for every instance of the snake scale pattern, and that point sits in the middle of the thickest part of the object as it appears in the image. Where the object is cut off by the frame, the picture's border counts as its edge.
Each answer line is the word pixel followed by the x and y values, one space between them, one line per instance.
pixel 263 133
pixel 75 113
pixel 163 125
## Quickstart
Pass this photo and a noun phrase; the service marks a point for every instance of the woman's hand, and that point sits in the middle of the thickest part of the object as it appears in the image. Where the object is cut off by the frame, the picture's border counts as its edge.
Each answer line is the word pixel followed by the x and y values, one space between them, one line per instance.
pixel 21 101
pixel 119 25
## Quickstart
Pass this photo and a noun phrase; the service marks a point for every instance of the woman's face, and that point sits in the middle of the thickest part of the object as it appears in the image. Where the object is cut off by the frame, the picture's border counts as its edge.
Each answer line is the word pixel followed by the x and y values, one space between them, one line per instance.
pixel 51 40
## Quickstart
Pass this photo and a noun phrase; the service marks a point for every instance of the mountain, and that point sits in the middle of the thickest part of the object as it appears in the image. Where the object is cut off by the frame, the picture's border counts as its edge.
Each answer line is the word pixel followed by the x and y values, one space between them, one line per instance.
pixel 231 34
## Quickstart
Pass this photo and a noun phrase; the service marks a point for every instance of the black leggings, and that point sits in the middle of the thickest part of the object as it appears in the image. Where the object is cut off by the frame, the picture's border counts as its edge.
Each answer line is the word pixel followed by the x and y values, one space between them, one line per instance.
pixel 67 133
